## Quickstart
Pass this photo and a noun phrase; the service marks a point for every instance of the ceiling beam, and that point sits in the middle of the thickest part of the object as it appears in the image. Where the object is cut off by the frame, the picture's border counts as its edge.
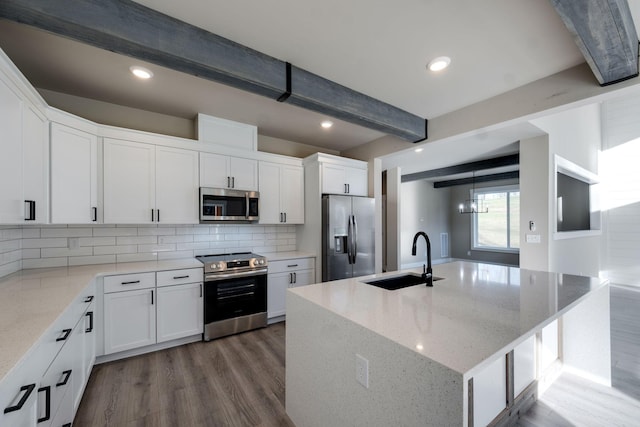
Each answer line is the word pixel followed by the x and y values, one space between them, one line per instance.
pixel 606 35
pixel 128 28
pixel 496 162
pixel 477 179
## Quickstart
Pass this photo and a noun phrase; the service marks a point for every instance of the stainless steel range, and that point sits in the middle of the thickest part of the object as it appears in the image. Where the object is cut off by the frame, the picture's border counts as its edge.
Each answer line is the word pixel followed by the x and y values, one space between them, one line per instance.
pixel 235 293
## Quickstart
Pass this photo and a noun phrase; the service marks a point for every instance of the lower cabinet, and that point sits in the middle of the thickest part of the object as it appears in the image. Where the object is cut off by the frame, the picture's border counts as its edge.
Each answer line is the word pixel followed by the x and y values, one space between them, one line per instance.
pixel 148 308
pixel 45 388
pixel 284 274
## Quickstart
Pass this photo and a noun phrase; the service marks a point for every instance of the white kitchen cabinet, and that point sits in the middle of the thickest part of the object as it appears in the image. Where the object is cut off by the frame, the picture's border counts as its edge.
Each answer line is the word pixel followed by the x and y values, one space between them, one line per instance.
pixel 220 171
pixel 74 175
pixel 145 183
pixel 339 179
pixel 180 311
pixel 489 392
pixel 129 320
pixel 23 161
pixel 284 274
pixel 18 393
pixel 142 309
pixel 85 353
pixel 524 365
pixel 281 193
pixel 226 132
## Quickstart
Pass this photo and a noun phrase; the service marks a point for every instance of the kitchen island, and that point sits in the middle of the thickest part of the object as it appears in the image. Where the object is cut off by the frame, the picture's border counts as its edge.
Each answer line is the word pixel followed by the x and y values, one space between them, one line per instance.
pixel 464 352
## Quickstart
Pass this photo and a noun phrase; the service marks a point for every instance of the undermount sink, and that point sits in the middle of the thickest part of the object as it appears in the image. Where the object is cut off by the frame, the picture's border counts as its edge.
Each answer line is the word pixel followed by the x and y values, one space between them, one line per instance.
pixel 399 282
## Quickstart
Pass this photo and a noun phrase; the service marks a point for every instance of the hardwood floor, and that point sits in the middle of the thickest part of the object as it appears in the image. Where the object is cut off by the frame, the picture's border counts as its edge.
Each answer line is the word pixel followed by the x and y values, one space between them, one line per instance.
pixel 240 381
pixel 233 381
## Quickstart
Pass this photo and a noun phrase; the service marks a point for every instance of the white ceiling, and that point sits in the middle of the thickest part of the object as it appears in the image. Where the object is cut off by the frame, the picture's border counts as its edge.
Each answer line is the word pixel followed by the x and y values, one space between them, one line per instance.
pixel 376 47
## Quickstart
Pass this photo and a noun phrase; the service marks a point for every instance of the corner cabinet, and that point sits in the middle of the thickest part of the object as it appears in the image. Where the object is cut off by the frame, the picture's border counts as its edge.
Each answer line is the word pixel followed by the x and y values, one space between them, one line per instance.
pixel 220 171
pixel 145 183
pixel 74 176
pixel 281 193
pixel 284 274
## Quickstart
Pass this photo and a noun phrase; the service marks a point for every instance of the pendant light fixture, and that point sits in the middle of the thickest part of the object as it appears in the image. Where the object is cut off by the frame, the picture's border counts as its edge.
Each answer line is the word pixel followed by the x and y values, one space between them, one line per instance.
pixel 473 205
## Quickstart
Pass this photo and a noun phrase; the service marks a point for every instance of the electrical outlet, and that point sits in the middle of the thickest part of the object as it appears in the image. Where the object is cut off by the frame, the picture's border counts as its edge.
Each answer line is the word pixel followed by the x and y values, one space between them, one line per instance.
pixel 362 370
pixel 533 238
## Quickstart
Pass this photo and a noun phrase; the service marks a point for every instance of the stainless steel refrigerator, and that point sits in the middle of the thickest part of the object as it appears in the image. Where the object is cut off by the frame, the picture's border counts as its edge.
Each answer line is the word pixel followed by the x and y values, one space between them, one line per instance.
pixel 348 237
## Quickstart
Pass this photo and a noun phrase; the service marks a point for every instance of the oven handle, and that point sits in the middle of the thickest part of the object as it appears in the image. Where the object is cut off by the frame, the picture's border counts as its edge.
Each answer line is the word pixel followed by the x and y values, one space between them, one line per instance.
pixel 246 294
pixel 216 276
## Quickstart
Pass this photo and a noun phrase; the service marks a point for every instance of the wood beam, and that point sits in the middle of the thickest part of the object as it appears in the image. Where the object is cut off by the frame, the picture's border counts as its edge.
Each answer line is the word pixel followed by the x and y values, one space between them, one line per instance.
pixel 128 28
pixel 496 162
pixel 606 35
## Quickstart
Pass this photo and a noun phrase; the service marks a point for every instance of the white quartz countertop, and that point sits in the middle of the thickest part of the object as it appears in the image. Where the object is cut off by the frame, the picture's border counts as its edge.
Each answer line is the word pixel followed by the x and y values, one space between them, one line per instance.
pixel 279 256
pixel 32 300
pixel 475 312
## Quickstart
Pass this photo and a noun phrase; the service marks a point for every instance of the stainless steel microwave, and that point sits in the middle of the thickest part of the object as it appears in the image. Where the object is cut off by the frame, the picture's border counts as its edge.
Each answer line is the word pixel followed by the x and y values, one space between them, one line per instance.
pixel 222 205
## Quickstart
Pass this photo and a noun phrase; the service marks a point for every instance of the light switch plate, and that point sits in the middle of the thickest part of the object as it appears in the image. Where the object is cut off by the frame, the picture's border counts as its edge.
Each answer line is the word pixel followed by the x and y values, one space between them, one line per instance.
pixel 362 370
pixel 533 238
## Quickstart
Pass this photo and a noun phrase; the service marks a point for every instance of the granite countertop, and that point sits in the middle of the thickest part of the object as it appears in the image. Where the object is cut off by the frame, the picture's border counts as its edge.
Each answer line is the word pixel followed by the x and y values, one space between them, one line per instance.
pixel 476 311
pixel 32 300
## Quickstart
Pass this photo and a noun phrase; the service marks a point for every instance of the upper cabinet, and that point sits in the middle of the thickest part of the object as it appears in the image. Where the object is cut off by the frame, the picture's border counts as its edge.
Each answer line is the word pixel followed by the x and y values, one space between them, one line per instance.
pixel 220 171
pixel 281 193
pixel 339 179
pixel 145 183
pixel 23 160
pixel 227 133
pixel 74 175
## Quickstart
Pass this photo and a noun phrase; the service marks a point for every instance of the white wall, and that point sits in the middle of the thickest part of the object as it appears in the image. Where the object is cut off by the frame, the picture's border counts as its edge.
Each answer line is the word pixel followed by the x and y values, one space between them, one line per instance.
pixel 621 190
pixel 424 208
pixel 576 136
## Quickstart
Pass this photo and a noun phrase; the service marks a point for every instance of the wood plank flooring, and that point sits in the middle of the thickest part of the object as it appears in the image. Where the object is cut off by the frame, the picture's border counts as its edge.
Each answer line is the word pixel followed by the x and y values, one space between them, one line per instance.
pixel 240 381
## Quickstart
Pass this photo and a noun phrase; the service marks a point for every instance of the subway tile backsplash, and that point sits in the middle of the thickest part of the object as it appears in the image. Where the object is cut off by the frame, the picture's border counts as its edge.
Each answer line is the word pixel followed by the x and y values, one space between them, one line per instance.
pixel 70 245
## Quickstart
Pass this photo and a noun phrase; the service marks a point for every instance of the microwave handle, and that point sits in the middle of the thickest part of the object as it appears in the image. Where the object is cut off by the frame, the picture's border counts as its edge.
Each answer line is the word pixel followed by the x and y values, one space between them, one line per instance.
pixel 246 198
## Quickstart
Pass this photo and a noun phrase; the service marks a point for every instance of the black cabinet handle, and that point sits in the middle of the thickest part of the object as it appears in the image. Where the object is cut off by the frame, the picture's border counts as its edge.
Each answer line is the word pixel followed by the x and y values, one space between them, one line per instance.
pixel 67 375
pixel 290 278
pixel 233 182
pixel 200 290
pixel 32 210
pixel 94 214
pixel 152 297
pixel 180 277
pixel 29 389
pixel 47 409
pixel 133 282
pixel 90 328
pixel 280 216
pixel 152 213
pixel 66 425
pixel 285 217
pixel 63 337
pixel 292 265
pixel 89 298
pixel 228 182
pixel 295 277
pixel 158 216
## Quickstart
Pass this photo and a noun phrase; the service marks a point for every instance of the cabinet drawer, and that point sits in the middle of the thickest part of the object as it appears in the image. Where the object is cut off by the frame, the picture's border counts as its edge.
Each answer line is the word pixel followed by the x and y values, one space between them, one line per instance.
pixel 179 277
pixel 129 282
pixel 291 265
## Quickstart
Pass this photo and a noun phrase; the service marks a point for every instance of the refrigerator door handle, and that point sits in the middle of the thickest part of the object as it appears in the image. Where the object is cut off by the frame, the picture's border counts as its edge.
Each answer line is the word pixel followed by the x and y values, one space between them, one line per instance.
pixel 354 239
pixel 349 240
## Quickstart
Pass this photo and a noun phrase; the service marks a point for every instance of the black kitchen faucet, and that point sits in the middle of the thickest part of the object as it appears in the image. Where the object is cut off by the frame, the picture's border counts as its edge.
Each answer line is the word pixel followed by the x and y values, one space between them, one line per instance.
pixel 427 273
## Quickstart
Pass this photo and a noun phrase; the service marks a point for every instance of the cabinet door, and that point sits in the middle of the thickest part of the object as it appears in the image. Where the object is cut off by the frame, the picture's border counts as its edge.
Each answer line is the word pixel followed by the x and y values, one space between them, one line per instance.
pixel 303 277
pixel 244 174
pixel 292 193
pixel 489 392
pixel 277 285
pixel 129 320
pixel 11 200
pixel 85 354
pixel 334 179
pixel 214 171
pixel 129 182
pixel 35 158
pixel 357 180
pixel 270 193
pixel 177 185
pixel 180 311
pixel 74 175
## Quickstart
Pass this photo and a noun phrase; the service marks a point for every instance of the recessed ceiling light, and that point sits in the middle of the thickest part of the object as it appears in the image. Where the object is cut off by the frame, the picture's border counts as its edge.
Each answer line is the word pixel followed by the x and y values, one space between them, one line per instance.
pixel 326 124
pixel 141 72
pixel 439 63
pixel 417 150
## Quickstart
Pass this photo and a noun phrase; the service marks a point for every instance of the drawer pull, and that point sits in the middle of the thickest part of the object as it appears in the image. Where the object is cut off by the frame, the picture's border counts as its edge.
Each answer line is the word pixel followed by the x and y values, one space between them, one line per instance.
pixel 133 282
pixel 64 336
pixel 29 389
pixel 292 265
pixel 89 298
pixel 67 375
pixel 90 328
pixel 47 409
pixel 180 277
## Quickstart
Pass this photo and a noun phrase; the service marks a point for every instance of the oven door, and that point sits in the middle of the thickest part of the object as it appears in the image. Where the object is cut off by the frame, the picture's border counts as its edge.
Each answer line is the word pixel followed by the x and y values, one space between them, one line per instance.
pixel 235 296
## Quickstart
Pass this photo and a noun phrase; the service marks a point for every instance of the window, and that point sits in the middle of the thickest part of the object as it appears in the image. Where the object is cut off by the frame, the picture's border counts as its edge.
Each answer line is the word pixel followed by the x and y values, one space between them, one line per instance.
pixel 498 229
